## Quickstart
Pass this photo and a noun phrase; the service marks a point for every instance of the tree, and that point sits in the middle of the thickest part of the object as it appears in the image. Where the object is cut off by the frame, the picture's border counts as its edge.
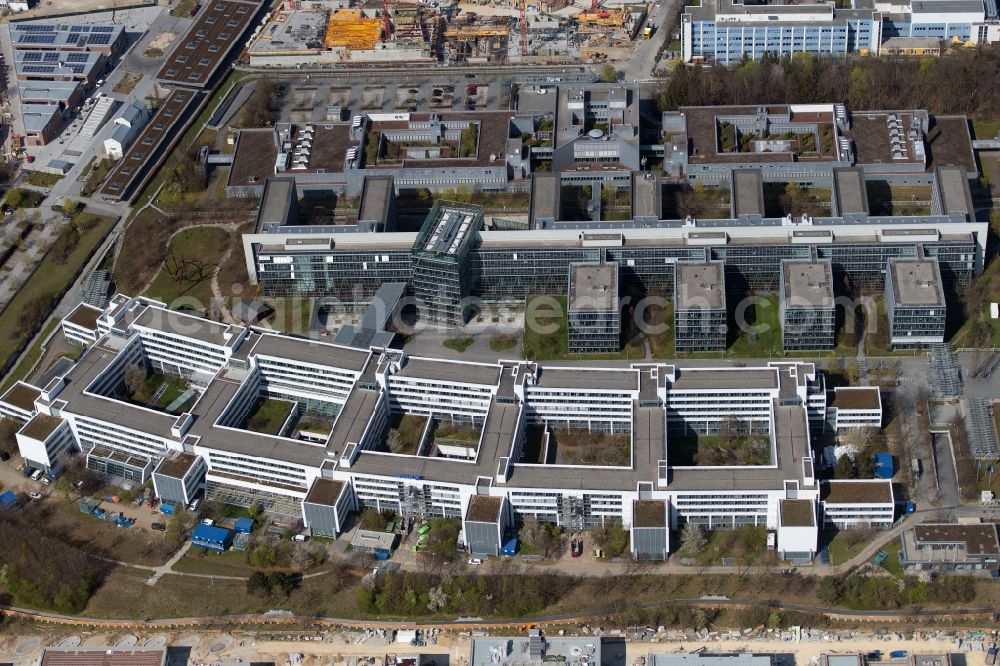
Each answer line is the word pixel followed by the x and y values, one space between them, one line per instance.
pixel 258 584
pixel 692 539
pixel 844 469
pixel 69 206
pixel 774 620
pixel 280 581
pixel 543 537
pixel 608 74
pixel 611 537
pixel 135 378
pixel 263 556
pixel 831 590
pixel 8 441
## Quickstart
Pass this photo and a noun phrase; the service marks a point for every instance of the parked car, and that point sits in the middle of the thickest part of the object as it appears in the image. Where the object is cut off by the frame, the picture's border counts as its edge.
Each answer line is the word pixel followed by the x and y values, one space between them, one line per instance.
pixel 159 527
pixel 193 506
pixel 37 474
pixel 300 537
pixel 35 495
pixel 45 480
pixel 475 561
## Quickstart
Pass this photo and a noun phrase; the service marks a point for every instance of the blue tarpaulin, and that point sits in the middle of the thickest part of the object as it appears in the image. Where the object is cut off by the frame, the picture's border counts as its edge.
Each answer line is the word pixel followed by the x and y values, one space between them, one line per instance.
pixel 244 525
pixel 8 500
pixel 209 536
pixel 509 547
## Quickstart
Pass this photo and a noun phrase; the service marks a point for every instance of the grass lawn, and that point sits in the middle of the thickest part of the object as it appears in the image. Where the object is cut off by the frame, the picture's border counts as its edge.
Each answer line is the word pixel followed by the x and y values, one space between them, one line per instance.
pixel 459 344
pixel 46 285
pixel 986 129
pixel 29 358
pixel 96 172
pixel 765 319
pixel 542 344
pixel 194 257
pixel 661 342
pixel 891 563
pixel 457 431
pixel 291 315
pixel 502 343
pixel 168 388
pixel 42 179
pixel 268 416
pixel 844 544
pixel 204 561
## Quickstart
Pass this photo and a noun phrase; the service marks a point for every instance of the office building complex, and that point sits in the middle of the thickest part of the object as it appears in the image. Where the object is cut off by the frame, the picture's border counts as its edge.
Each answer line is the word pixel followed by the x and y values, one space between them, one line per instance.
pixel 700 319
pixel 726 31
pixel 740 149
pixel 914 302
pixel 326 453
pixel 593 309
pixel 808 315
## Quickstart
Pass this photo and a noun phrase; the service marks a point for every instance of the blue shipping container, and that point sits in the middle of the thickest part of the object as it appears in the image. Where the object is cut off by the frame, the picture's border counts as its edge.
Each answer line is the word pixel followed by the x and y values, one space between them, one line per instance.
pixel 884 465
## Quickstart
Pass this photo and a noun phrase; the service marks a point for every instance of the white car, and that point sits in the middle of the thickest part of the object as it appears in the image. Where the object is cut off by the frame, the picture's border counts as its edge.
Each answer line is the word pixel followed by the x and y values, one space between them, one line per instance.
pixel 35 495
pixel 475 561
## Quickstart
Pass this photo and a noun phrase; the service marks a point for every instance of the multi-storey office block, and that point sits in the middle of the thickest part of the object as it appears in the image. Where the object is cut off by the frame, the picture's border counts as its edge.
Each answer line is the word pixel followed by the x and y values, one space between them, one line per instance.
pixel 808 315
pixel 593 311
pixel 914 303
pixel 700 318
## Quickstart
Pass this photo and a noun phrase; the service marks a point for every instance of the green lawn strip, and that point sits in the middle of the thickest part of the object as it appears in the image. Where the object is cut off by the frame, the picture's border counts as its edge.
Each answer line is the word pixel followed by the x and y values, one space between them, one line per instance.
pixel 459 344
pixel 765 318
pixel 48 283
pixel 97 172
pixel 986 129
pixel 502 343
pixel 42 179
pixel 29 358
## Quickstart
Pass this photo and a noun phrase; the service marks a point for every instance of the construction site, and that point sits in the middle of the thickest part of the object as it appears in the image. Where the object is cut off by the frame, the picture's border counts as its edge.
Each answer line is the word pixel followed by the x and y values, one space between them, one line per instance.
pixel 380 31
pixel 296 37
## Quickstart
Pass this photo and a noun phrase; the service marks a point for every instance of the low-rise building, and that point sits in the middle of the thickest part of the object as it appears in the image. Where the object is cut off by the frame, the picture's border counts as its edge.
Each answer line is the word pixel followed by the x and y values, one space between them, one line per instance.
pixel 856 504
pixel 855 407
pixel 127 125
pixel 950 548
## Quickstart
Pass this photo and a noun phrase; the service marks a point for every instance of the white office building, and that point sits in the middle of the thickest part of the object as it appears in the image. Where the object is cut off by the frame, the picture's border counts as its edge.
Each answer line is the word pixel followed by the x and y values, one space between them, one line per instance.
pixel 303 428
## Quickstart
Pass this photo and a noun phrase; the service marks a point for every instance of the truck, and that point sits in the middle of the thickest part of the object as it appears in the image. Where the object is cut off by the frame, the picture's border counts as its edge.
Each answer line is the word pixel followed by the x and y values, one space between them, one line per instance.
pixel 647 32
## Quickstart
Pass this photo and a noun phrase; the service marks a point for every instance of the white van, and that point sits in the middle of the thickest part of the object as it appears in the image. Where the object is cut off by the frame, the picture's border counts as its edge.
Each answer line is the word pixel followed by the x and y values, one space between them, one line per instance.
pixel 37 474
pixel 300 537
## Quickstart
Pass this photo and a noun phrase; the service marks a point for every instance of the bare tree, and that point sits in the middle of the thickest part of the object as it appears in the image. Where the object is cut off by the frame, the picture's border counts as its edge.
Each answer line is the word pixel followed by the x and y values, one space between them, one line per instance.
pixel 692 539
pixel 135 377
